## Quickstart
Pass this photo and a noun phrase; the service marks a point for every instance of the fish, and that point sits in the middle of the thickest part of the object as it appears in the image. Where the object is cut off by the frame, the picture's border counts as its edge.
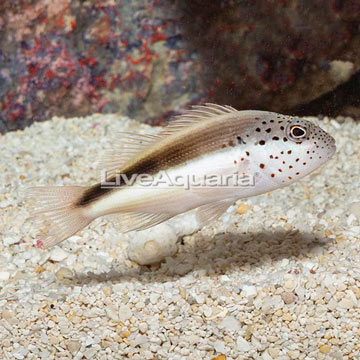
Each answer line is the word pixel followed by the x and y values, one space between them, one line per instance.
pixel 148 179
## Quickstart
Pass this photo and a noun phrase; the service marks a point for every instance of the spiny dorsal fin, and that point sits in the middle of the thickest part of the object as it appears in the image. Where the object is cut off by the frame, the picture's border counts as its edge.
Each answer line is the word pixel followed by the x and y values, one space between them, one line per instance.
pixel 127 144
pixel 197 114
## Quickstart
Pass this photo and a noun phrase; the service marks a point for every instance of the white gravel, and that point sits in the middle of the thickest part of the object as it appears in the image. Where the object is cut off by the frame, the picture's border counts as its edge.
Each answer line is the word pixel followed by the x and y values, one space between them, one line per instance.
pixel 276 279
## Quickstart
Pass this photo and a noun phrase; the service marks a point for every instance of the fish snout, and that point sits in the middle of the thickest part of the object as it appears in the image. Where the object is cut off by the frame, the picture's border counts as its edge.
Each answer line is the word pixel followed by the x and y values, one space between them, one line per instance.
pixel 331 146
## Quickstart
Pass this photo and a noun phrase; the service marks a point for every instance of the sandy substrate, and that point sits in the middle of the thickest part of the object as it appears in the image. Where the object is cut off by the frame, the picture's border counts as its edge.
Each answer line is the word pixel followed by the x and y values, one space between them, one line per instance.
pixel 277 279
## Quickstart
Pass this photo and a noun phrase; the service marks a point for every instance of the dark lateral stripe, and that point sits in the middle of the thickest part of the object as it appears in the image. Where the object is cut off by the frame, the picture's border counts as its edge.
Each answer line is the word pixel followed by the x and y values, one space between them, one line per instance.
pixel 212 137
pixel 91 194
pixel 145 166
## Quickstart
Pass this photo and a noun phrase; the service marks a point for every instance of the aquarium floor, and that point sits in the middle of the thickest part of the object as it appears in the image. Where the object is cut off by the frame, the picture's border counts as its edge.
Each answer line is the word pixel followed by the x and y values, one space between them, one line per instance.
pixel 277 278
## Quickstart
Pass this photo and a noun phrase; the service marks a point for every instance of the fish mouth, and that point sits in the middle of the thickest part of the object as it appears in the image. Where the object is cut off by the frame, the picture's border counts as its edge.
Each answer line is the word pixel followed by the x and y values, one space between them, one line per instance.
pixel 332 150
pixel 330 147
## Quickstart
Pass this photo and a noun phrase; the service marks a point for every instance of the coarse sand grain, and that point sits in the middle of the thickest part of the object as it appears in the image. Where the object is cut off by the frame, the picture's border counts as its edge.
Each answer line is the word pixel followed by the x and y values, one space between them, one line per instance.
pixel 276 277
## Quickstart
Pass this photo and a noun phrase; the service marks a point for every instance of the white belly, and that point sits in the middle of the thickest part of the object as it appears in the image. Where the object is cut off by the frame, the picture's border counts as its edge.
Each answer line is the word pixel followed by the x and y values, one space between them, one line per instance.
pixel 187 186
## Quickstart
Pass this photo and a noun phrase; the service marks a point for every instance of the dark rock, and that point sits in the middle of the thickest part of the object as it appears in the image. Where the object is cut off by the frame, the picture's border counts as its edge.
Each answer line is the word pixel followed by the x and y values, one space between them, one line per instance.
pixel 150 58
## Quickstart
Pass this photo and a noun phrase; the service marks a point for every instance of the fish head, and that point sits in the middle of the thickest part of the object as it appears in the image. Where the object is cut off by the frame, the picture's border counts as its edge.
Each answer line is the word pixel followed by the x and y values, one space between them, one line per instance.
pixel 292 148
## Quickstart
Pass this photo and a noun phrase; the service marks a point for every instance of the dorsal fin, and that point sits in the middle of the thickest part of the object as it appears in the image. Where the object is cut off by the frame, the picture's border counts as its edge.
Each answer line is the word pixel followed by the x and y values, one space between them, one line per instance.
pixel 197 114
pixel 123 148
pixel 127 145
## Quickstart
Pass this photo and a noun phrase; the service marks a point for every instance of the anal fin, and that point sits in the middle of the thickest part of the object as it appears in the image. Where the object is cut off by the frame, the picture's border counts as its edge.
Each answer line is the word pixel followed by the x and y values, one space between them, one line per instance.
pixel 132 221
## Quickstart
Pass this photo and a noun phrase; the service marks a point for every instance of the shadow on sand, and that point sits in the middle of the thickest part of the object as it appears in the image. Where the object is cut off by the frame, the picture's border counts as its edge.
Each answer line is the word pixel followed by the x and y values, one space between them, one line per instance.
pixel 215 256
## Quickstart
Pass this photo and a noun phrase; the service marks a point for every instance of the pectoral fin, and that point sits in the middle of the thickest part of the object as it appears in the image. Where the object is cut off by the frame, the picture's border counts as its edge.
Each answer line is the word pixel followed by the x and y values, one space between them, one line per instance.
pixel 223 181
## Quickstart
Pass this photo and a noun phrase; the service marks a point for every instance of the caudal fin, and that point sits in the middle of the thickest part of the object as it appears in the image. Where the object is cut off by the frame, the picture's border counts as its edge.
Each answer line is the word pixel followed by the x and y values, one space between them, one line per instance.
pixel 57 216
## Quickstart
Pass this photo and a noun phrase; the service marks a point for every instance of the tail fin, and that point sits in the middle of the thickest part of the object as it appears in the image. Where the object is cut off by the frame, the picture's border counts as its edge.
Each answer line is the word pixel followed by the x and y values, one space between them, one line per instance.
pixel 56 210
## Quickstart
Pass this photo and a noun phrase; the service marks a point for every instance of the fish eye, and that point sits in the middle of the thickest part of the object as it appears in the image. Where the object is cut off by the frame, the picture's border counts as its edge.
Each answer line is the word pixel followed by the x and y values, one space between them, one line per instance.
pixel 297 132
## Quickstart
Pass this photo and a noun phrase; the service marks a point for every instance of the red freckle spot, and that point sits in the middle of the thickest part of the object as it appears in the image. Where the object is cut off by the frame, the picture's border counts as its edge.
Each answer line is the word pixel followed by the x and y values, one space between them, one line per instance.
pixel 235 162
pixel 271 157
pixel 247 153
pixel 276 157
pixel 242 159
pixel 282 153
pixel 304 163
pixel 297 173
pixel 289 177
pixel 262 166
pixel 280 170
pixel 310 157
pixel 290 166
pixel 284 162
pixel 297 159
pixel 272 175
pixel 289 152
pixel 39 244
pixel 319 157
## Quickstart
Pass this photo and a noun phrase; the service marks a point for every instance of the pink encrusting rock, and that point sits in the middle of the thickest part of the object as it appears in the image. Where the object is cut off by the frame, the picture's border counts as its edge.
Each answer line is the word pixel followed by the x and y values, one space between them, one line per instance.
pixel 150 58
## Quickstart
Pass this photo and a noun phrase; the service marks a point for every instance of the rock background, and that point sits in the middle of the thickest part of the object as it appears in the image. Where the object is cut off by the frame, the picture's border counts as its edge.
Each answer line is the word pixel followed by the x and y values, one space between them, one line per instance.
pixel 277 278
pixel 151 58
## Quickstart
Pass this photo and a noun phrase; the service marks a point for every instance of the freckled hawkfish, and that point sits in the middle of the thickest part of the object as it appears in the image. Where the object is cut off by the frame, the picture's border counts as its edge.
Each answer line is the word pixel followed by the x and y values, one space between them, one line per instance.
pixel 207 142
